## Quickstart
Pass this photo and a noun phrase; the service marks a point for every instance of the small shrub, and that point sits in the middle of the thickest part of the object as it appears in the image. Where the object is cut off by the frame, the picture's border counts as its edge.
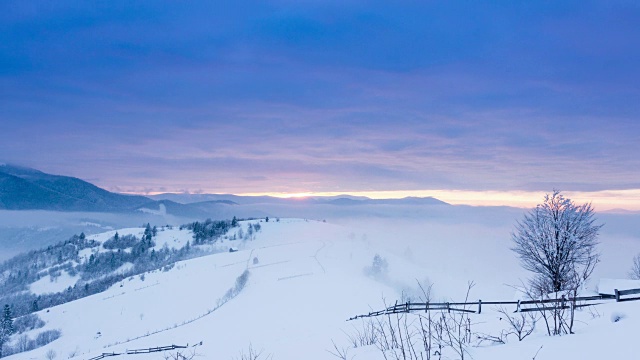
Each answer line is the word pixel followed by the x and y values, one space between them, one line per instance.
pixel 26 323
pixel 50 355
pixel 24 343
pixel 48 336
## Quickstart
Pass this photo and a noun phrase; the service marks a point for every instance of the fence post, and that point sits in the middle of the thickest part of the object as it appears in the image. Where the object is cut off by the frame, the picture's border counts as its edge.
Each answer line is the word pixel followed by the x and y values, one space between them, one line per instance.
pixel 518 308
pixel 448 307
pixel 479 306
pixel 617 292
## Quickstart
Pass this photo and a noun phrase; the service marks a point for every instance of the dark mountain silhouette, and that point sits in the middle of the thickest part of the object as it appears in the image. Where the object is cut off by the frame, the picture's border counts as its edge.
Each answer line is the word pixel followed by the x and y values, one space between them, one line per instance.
pixel 29 189
pixel 23 188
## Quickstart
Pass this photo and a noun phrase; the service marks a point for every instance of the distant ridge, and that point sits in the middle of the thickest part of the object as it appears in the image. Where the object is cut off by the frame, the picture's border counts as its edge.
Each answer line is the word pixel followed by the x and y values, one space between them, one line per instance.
pixel 346 200
pixel 23 188
pixel 404 201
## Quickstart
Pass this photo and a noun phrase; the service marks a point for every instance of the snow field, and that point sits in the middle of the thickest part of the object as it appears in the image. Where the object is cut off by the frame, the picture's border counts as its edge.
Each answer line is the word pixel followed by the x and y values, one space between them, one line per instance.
pixel 309 278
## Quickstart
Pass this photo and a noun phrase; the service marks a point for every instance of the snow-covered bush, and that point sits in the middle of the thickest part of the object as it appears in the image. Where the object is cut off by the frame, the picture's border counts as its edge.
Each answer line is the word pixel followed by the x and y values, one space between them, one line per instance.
pixel 241 282
pixel 26 323
pixel 24 343
pixel 48 336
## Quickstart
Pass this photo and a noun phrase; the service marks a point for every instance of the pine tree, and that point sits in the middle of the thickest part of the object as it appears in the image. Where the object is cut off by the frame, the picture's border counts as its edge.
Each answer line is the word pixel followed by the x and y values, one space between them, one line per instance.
pixel 379 266
pixel 148 232
pixel 6 327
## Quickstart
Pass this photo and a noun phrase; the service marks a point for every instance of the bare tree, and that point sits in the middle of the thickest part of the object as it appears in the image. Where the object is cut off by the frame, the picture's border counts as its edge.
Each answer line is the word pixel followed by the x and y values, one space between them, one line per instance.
pixel 635 269
pixel 252 354
pixel 73 353
pixel 367 335
pixel 180 355
pixel 521 324
pixel 557 242
pixel 50 355
pixel 340 353
pixel 457 327
pixel 22 344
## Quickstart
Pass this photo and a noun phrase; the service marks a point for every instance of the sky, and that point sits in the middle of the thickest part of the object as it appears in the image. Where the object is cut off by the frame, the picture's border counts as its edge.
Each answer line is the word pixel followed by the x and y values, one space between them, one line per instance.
pixel 320 97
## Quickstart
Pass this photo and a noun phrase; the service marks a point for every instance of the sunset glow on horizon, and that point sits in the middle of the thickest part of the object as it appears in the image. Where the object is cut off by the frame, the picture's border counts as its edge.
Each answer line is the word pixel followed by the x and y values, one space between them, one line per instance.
pixel 601 200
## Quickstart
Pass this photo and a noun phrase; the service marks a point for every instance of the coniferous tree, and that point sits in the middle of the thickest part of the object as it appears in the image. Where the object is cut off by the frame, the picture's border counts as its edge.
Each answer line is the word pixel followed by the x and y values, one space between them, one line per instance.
pixel 6 327
pixel 148 233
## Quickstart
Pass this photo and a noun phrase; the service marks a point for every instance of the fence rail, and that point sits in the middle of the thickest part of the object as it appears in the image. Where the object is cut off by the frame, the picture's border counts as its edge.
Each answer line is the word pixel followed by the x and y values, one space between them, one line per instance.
pixel 562 303
pixel 104 355
pixel 144 351
pixel 155 349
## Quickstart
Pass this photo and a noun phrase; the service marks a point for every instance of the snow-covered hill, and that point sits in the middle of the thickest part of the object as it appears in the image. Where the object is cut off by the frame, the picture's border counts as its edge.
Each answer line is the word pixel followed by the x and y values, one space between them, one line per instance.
pixel 305 279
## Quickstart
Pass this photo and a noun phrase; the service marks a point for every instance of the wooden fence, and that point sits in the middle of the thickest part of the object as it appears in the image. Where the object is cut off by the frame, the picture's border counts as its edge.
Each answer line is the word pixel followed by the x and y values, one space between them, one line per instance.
pixel 155 349
pixel 143 351
pixel 619 293
pixel 476 307
pixel 104 355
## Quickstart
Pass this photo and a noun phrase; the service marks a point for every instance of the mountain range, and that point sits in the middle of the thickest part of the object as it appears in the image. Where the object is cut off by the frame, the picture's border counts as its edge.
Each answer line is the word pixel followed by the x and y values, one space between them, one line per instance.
pixel 23 188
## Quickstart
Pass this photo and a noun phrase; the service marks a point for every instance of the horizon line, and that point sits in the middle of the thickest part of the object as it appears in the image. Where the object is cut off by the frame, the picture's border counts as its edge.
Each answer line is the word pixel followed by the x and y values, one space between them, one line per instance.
pixel 602 200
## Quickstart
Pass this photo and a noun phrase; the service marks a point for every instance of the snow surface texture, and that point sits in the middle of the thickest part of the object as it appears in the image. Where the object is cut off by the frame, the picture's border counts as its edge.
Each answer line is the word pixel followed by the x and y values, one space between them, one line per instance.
pixel 306 278
pixel 50 284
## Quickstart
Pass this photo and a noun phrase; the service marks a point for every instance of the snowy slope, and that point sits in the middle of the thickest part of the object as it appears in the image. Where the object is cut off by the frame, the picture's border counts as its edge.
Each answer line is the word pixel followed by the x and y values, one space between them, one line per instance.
pixel 307 278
